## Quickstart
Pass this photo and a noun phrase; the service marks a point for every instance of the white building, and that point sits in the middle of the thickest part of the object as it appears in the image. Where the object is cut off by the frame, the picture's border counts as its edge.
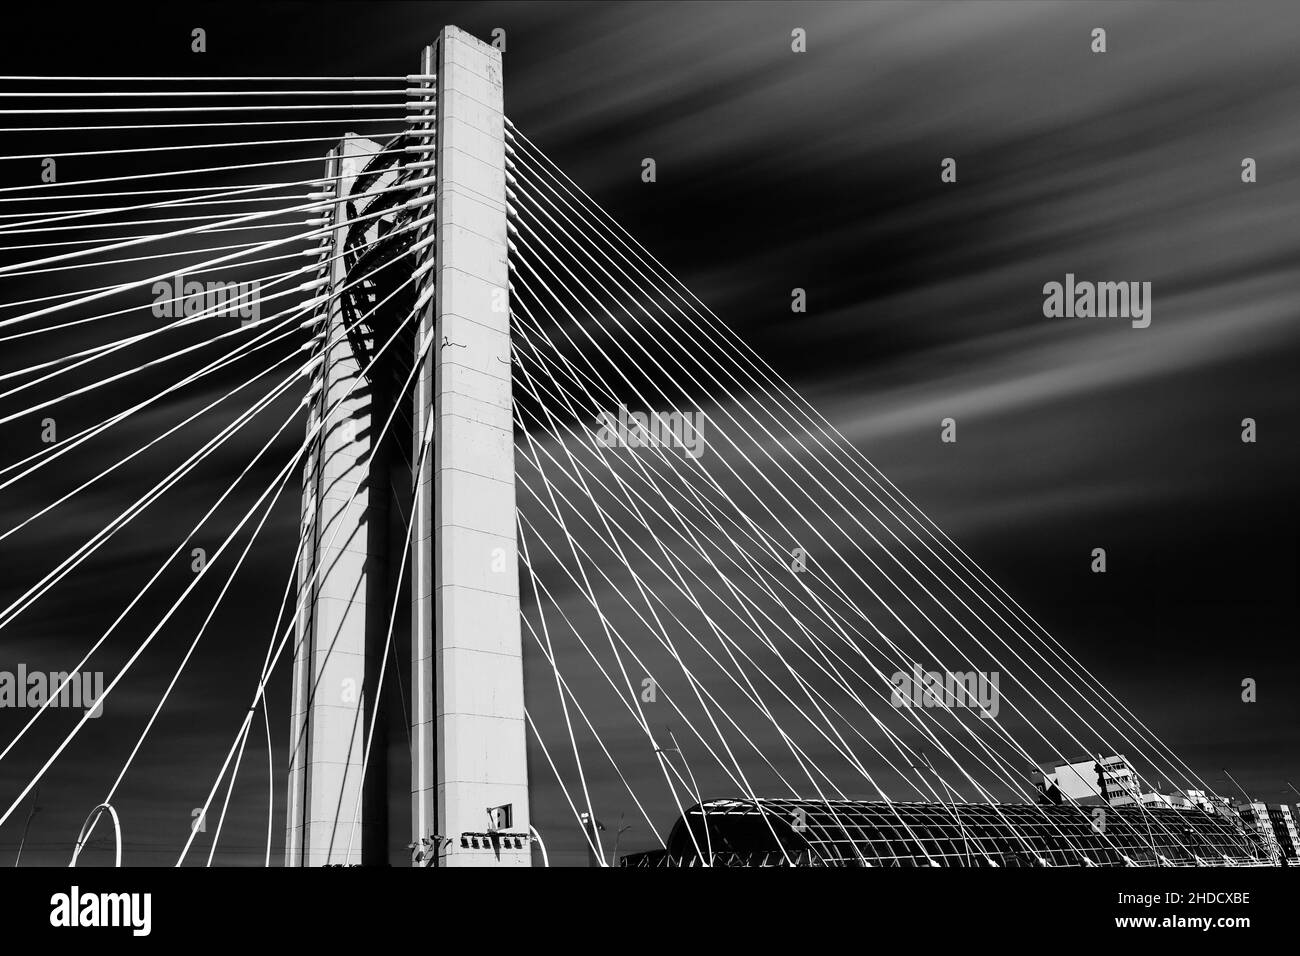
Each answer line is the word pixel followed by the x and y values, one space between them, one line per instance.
pixel 1284 829
pixel 1079 781
pixel 1179 801
pixel 1256 817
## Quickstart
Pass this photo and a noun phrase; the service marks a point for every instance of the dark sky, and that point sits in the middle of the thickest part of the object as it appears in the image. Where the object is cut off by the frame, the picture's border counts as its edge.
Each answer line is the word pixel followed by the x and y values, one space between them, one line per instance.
pixel 774 171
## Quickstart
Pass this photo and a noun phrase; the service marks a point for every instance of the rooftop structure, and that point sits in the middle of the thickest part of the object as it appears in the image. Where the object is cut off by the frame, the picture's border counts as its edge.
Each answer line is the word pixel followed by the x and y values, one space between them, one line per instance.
pixel 867 833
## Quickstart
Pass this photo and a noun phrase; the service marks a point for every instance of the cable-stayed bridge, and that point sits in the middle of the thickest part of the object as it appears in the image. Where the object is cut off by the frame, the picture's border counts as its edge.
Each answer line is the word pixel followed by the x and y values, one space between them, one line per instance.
pixel 545 495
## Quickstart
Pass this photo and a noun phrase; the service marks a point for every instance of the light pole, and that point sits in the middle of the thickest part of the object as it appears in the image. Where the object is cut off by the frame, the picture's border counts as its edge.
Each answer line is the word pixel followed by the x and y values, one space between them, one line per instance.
pixel 30 813
pixel 699 798
pixel 613 857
